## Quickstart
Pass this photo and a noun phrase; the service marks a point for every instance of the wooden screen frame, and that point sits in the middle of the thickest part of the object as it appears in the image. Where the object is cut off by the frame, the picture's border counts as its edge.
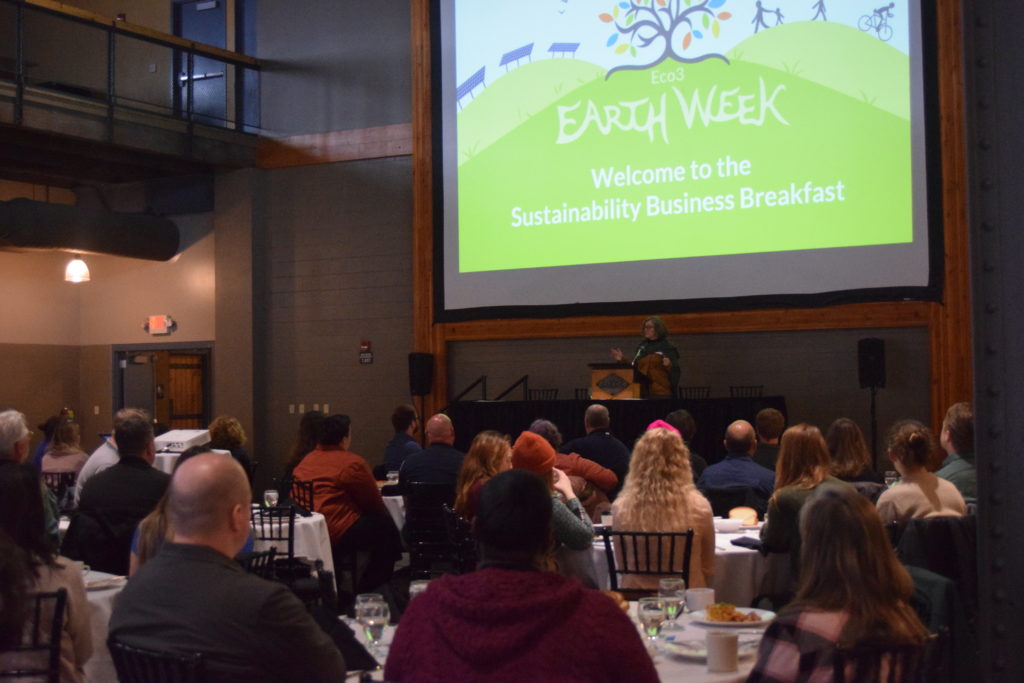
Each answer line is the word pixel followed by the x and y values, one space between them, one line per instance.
pixel 948 321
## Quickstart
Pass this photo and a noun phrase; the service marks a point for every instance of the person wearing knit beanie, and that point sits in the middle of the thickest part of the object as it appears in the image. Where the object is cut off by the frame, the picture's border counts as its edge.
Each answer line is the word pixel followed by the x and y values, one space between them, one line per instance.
pixel 533 453
pixel 570 527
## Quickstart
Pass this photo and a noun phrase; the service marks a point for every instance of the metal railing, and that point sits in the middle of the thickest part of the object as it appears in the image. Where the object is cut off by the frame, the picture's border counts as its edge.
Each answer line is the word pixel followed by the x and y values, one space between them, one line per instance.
pixel 55 51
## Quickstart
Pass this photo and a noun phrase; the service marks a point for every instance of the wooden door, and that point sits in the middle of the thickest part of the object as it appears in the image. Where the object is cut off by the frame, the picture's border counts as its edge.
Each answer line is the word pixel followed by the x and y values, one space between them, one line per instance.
pixel 186 373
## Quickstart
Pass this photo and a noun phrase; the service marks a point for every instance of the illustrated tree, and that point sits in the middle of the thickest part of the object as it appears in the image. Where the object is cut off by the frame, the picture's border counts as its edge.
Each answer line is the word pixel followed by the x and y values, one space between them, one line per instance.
pixel 677 25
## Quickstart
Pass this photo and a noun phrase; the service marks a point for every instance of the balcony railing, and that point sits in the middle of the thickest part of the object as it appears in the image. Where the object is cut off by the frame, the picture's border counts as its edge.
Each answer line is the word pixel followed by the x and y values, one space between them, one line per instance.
pixel 53 55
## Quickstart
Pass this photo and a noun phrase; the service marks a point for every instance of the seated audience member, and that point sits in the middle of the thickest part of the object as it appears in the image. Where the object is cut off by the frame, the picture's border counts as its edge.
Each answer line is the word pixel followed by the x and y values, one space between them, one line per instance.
pixel 570 526
pixel 47 429
pixel 510 621
pixel 105 454
pixel 684 423
pixel 851 459
pixel 64 453
pixel 600 446
pixel 193 597
pixel 738 467
pixel 155 528
pixel 346 494
pixel 769 424
pixel 591 482
pixel 14 440
pixel 22 520
pixel 226 434
pixel 439 462
pixel 919 493
pixel 489 454
pixel 801 468
pixel 306 439
pixel 403 443
pixel 659 495
pixel 114 501
pixel 150 535
pixel 957 440
pixel 853 592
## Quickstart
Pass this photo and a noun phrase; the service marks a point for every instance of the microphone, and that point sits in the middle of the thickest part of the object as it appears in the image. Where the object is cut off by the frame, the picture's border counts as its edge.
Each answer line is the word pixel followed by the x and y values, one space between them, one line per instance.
pixel 639 352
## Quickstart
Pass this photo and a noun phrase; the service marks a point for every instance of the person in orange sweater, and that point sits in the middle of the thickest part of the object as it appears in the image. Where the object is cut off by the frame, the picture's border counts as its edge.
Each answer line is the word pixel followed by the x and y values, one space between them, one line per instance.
pixel 346 494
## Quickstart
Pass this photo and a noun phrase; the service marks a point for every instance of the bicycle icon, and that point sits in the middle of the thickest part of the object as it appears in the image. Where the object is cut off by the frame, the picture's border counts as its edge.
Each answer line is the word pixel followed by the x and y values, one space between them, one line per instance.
pixel 878 21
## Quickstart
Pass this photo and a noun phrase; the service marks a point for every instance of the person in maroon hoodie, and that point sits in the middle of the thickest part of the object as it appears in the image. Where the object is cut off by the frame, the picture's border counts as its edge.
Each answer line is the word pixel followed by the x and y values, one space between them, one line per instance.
pixel 508 620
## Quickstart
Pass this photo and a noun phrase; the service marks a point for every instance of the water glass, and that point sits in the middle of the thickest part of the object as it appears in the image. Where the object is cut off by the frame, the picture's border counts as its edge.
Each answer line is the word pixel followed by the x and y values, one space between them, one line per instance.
pixel 651 613
pixel 672 593
pixel 373 615
pixel 270 498
pixel 393 477
pixel 891 479
pixel 417 587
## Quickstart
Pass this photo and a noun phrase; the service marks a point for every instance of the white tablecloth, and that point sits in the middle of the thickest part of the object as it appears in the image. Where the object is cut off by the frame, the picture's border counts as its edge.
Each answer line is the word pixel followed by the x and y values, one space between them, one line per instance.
pixel 312 540
pixel 738 571
pixel 396 508
pixel 100 667
pixel 165 462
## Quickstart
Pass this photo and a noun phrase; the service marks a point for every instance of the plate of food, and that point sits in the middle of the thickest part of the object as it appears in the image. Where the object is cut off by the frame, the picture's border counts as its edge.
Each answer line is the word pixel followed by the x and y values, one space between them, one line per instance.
pixel 698 649
pixel 726 614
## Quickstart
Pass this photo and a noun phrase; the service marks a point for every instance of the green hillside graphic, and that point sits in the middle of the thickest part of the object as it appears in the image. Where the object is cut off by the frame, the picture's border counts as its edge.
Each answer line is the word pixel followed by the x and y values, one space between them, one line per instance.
pixel 516 96
pixel 834 136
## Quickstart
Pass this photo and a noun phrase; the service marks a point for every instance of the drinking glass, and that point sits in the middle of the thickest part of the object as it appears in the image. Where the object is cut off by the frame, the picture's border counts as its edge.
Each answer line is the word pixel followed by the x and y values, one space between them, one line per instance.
pixel 270 498
pixel 891 478
pixel 672 593
pixel 373 616
pixel 393 477
pixel 368 597
pixel 651 613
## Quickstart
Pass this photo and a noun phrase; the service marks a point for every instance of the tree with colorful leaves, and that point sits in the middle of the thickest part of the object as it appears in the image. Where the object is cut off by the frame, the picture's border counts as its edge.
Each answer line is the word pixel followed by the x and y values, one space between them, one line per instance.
pixel 677 24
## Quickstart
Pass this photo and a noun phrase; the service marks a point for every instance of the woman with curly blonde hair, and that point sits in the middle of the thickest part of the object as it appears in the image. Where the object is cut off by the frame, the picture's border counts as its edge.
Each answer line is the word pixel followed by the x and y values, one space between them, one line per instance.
pixel 489 454
pixel 659 495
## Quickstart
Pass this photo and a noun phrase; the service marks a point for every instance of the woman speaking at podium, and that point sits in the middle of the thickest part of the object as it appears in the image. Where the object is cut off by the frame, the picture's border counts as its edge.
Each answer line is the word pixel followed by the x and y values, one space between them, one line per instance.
pixel 656 358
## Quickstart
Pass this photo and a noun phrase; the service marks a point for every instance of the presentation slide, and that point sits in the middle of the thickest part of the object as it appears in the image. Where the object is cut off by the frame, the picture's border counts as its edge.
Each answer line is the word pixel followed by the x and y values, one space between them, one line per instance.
pixel 680 150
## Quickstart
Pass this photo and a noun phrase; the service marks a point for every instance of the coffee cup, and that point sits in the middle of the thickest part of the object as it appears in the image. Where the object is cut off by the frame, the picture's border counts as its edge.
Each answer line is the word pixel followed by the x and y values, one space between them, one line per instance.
pixel 699 598
pixel 722 649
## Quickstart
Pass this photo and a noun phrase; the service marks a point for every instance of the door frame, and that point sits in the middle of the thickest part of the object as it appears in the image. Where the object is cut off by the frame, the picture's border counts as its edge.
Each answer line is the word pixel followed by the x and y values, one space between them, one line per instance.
pixel 202 347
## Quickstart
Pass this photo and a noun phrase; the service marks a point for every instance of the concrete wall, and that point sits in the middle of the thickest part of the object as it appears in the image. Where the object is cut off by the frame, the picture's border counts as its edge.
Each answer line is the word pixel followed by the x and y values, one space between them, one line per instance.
pixel 335 264
pixel 333 65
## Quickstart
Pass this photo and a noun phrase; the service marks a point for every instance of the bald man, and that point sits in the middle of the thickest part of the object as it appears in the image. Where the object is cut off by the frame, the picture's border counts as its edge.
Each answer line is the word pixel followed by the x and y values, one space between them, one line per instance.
pixel 193 597
pixel 439 462
pixel 738 467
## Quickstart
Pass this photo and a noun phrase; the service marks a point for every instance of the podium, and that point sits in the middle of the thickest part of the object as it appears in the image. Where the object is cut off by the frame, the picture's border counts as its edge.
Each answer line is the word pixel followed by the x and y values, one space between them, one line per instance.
pixel 613 381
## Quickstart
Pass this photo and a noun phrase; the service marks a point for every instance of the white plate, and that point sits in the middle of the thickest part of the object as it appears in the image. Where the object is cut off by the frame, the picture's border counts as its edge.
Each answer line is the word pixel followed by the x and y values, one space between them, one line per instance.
pixel 698 650
pixel 701 617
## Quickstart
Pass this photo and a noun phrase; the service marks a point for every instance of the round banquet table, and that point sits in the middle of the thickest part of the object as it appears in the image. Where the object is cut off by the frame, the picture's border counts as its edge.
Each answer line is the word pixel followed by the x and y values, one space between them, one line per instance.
pixel 100 667
pixel 738 571
pixel 312 540
pixel 670 667
pixel 165 462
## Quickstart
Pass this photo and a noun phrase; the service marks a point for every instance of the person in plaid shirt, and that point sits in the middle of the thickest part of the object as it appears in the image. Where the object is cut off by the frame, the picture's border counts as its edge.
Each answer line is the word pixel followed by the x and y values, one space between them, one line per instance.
pixel 853 591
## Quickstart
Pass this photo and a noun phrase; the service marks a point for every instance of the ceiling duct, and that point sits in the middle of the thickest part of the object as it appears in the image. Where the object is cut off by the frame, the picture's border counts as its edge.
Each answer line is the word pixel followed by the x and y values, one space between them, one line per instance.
pixel 28 224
